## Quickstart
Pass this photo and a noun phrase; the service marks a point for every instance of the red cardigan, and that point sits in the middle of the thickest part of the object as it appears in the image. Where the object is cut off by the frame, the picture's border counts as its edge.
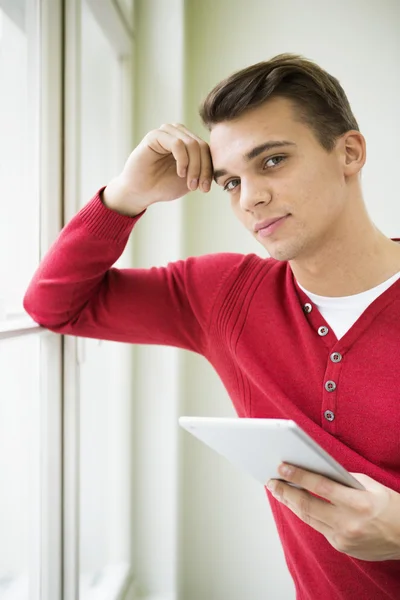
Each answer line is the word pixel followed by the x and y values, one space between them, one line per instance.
pixel 261 333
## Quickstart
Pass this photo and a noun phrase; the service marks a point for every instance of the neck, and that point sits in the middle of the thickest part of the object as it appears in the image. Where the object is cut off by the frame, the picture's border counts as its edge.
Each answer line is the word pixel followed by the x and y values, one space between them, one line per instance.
pixel 352 259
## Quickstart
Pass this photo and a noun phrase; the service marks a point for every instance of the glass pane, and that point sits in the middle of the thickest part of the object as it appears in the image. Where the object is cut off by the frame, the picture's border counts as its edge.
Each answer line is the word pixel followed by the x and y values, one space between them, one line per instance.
pixel 19 208
pixel 19 468
pixel 104 374
pixel 101 88
pixel 104 459
pixel 127 6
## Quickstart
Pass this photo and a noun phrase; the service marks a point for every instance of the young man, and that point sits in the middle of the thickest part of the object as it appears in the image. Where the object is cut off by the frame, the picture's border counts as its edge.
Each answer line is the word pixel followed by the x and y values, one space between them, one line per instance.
pixel 310 334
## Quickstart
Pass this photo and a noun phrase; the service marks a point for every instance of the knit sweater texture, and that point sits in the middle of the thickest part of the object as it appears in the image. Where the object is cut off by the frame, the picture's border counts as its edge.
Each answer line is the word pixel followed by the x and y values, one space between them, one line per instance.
pixel 247 316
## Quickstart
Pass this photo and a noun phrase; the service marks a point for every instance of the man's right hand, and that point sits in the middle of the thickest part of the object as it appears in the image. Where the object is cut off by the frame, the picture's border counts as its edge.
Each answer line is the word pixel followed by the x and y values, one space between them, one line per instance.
pixel 168 163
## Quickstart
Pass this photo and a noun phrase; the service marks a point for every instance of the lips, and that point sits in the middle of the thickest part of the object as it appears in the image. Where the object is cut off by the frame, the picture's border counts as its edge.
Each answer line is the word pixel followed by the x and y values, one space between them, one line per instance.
pixel 267 222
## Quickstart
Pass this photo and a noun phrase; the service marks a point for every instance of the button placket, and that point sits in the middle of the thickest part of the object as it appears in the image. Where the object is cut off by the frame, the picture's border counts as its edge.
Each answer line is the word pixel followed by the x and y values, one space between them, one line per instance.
pixel 332 368
pixel 331 373
pixel 313 317
pixel 331 379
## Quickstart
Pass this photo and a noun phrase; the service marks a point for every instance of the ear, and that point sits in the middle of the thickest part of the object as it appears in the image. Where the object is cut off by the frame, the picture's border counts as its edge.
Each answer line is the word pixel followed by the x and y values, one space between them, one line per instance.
pixel 353 152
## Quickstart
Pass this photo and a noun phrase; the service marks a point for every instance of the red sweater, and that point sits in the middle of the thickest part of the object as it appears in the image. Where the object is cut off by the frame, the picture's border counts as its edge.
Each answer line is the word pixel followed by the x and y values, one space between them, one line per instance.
pixel 246 316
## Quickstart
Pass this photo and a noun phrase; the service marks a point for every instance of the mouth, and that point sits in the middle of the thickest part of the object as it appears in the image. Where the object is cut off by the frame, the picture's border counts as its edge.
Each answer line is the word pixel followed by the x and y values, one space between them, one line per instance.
pixel 268 227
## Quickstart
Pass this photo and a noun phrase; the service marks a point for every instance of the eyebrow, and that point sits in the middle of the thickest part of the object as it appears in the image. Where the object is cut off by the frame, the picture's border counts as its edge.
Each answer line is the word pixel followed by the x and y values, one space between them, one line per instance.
pixel 254 152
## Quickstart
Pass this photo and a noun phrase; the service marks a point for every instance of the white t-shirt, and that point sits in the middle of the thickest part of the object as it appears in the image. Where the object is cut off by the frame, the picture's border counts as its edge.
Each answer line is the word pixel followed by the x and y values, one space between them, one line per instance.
pixel 341 313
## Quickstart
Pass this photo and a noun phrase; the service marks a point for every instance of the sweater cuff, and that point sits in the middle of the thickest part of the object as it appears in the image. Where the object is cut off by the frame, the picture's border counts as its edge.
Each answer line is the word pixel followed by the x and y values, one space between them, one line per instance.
pixel 105 223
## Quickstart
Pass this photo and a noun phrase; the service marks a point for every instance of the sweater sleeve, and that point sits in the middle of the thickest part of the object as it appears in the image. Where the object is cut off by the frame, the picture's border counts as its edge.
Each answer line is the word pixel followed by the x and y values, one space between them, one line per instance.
pixel 76 290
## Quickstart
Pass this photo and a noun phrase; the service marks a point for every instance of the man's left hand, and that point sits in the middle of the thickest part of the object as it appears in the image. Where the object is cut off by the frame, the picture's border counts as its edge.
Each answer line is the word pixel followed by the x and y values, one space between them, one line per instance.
pixel 364 524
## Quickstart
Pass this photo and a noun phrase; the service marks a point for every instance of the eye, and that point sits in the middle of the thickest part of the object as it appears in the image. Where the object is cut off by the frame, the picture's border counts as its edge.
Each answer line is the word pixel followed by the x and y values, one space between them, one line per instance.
pixel 275 160
pixel 231 185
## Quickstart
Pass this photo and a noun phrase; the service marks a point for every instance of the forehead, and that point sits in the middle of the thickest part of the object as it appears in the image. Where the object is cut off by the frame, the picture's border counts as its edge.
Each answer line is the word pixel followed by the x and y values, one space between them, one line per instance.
pixel 272 121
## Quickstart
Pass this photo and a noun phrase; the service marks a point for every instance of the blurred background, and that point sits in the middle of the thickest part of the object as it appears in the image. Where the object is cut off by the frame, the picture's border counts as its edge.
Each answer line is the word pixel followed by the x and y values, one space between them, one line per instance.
pixel 101 496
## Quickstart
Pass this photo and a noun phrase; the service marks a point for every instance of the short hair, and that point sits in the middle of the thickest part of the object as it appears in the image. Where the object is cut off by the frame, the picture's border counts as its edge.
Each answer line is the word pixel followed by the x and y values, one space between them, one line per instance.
pixel 317 96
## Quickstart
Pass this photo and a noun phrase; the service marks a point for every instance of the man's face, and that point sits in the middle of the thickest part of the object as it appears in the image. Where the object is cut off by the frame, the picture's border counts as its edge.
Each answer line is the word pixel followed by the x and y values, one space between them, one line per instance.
pixel 293 179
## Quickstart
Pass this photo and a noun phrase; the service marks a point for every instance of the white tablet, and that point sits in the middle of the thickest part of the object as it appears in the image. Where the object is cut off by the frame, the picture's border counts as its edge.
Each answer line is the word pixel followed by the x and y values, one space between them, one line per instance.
pixel 259 446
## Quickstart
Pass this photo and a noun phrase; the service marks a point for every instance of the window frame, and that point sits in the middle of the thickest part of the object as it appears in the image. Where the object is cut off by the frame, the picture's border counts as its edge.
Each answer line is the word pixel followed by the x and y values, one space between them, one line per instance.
pixel 51 194
pixel 120 33
pixel 55 574
pixel 45 18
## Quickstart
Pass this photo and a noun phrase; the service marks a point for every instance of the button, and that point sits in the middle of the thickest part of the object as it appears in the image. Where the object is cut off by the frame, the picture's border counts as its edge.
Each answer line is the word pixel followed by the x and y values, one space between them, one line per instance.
pixel 307 307
pixel 329 415
pixel 323 330
pixel 330 386
pixel 336 357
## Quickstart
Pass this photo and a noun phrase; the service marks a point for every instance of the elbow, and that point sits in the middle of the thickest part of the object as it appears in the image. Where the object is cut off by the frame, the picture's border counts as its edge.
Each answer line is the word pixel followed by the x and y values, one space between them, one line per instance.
pixel 31 308
pixel 34 308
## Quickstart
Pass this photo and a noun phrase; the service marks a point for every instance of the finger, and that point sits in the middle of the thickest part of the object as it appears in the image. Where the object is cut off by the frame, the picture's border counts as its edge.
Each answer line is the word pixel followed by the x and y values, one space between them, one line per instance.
pixel 303 506
pixel 206 169
pixel 307 507
pixel 182 128
pixel 321 486
pixel 193 151
pixel 206 175
pixel 164 143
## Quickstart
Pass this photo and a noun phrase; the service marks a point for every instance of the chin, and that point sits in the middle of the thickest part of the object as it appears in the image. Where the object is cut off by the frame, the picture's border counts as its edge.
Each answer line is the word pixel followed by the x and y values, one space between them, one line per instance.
pixel 283 251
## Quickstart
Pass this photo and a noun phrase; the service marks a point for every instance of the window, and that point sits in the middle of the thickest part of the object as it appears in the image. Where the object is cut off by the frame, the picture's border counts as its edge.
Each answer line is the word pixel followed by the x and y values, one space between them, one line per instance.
pixel 98 126
pixel 105 387
pixel 74 479
pixel 30 358
pixel 19 470
pixel 19 223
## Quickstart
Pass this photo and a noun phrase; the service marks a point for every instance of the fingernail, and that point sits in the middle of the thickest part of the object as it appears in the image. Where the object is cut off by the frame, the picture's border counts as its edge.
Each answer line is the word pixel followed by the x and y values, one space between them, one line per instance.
pixel 271 485
pixel 206 185
pixel 193 184
pixel 286 470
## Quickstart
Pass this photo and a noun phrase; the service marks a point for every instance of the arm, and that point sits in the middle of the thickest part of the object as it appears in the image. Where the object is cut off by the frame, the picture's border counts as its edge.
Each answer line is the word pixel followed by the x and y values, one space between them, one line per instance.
pixel 76 291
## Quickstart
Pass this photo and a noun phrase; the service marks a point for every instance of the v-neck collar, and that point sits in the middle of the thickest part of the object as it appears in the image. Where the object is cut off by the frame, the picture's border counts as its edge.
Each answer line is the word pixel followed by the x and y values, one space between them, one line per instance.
pixel 376 307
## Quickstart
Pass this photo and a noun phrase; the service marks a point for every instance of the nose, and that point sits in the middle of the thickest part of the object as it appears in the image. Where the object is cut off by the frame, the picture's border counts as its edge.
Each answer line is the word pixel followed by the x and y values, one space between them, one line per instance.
pixel 253 194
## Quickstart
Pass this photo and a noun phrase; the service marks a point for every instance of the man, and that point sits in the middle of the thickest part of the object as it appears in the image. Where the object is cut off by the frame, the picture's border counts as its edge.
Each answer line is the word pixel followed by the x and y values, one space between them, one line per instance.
pixel 311 334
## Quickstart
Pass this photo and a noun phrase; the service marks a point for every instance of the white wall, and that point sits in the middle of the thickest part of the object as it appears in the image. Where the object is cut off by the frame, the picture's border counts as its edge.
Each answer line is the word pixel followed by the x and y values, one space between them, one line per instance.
pixel 237 555
pixel 227 546
pixel 159 98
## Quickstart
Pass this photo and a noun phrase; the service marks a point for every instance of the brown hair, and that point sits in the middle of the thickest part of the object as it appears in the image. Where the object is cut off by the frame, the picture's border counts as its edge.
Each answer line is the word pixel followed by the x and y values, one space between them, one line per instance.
pixel 318 96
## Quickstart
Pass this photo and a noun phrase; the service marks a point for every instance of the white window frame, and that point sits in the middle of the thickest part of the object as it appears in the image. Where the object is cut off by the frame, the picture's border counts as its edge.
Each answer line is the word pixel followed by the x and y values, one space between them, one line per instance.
pixel 51 219
pixel 46 576
pixel 58 563
pixel 120 33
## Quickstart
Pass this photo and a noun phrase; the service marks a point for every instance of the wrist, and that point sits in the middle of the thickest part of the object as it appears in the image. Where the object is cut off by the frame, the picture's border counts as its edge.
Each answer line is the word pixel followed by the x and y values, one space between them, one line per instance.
pixel 116 197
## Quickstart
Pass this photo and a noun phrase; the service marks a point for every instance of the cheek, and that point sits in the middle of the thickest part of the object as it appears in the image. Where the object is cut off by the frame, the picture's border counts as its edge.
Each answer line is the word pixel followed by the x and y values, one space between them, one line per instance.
pixel 317 194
